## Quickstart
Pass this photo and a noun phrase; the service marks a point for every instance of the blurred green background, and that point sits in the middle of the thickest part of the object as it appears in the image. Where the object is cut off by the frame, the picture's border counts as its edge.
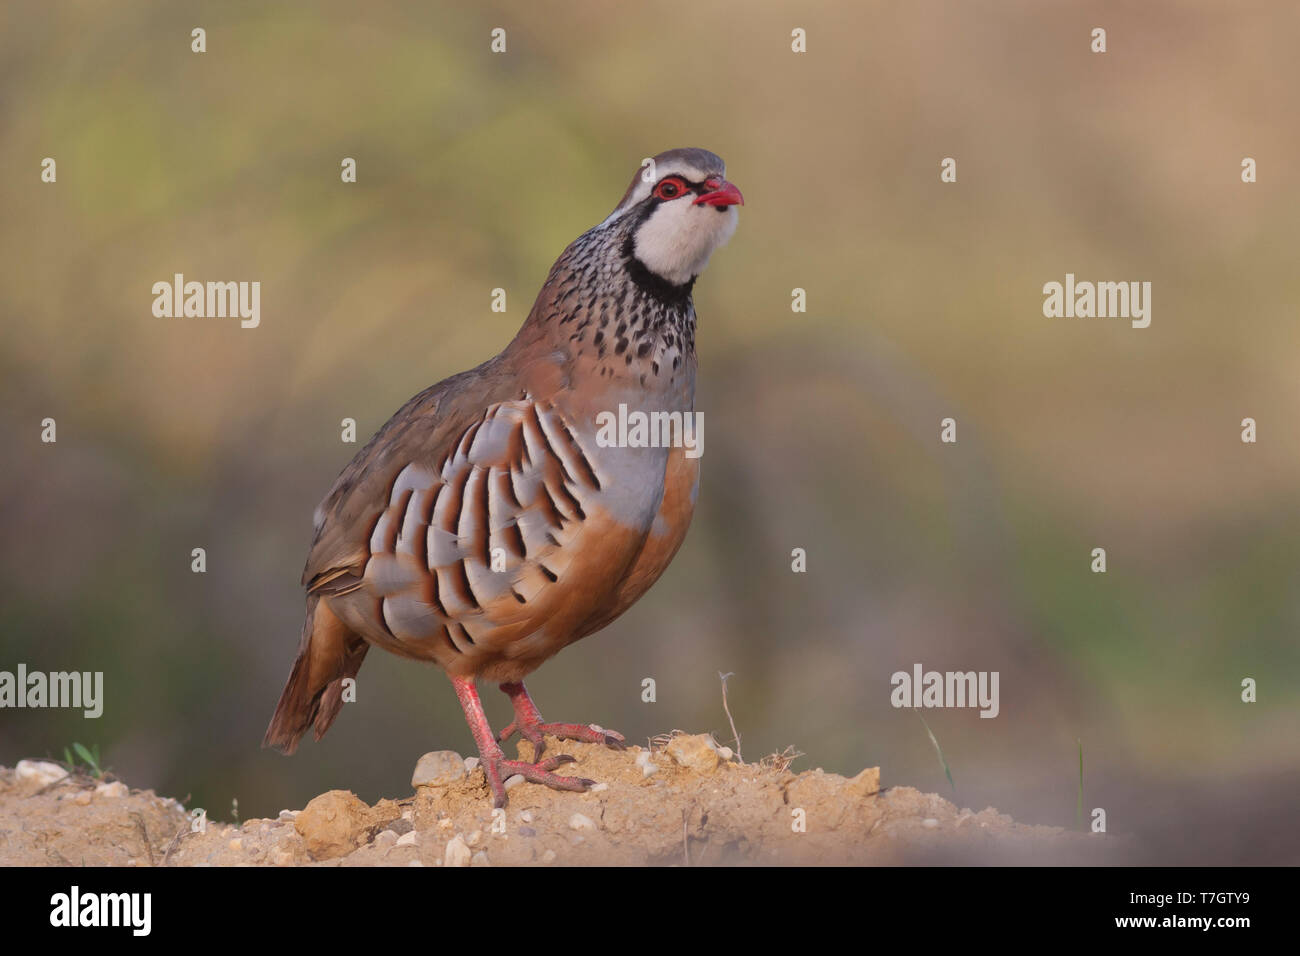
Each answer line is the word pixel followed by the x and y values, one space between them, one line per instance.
pixel 924 300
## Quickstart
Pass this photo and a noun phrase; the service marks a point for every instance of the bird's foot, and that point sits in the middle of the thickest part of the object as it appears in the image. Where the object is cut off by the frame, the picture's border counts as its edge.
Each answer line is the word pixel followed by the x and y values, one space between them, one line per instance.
pixel 499 770
pixel 528 724
pixel 535 733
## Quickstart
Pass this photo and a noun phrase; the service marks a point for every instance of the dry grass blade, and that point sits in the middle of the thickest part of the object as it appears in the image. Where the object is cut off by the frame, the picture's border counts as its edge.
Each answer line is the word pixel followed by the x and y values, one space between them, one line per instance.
pixel 734 732
pixel 780 762
pixel 660 741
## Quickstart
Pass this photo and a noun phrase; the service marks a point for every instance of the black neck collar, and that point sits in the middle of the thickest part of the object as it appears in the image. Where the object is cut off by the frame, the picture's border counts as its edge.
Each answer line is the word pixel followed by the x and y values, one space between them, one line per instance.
pixel 654 285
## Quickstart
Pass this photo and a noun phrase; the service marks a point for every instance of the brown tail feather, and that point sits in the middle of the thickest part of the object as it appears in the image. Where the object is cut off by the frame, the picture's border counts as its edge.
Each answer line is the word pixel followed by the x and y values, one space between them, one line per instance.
pixel 327 654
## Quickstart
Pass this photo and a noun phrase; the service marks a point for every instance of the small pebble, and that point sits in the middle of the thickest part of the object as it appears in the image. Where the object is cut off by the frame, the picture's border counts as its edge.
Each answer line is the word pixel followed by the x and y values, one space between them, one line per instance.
pixel 598 787
pixel 439 768
pixel 513 781
pixel 526 816
pixel 237 844
pixel 580 822
pixel 648 770
pixel 548 856
pixel 115 789
pixel 725 753
pixel 471 764
pixel 458 853
pixel 444 823
pixel 694 752
pixel 288 814
pixel 929 823
pixel 39 772
pixel 865 784
pixel 406 839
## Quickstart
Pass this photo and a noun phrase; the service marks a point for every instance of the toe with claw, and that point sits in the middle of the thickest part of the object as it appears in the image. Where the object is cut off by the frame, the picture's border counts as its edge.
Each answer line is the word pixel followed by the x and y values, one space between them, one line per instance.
pixel 499 770
pixel 528 723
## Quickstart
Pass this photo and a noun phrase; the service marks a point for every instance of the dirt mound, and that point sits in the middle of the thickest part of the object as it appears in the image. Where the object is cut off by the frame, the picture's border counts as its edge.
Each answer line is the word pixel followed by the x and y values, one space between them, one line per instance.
pixel 685 802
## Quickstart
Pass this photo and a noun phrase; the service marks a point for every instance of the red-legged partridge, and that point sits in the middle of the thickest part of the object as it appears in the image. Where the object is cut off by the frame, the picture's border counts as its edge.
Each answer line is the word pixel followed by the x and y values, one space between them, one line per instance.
pixel 489 524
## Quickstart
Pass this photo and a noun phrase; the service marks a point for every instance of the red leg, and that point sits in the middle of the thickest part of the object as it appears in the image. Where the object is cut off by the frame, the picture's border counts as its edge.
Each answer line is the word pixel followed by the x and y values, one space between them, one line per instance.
pixel 528 724
pixel 497 768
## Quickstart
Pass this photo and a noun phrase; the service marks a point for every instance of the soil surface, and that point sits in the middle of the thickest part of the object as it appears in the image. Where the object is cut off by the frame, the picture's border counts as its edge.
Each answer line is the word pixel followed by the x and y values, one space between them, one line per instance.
pixel 699 805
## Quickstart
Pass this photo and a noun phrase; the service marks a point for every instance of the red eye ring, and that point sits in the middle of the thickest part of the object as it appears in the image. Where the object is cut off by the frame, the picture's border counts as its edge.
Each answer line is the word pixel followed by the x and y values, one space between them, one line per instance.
pixel 671 187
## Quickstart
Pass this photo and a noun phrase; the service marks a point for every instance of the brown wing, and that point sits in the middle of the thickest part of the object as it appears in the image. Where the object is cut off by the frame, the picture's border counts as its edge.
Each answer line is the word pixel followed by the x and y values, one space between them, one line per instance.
pixel 331 648
pixel 466 554
pixel 424 428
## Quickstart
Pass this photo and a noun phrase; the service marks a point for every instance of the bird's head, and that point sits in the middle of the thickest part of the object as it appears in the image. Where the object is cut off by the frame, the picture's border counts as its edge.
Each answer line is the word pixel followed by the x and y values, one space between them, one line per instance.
pixel 678 209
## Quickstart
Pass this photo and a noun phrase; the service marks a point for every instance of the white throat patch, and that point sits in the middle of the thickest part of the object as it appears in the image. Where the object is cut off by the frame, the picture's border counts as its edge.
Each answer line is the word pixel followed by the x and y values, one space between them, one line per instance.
pixel 677 240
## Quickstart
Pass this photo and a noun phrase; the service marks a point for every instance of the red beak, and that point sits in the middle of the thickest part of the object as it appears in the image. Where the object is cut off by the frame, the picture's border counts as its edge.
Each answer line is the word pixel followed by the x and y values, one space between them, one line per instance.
pixel 723 194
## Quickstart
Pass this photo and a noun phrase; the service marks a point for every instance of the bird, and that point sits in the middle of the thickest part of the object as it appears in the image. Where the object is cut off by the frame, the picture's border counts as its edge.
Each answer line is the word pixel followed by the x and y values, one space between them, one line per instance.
pixel 487 525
